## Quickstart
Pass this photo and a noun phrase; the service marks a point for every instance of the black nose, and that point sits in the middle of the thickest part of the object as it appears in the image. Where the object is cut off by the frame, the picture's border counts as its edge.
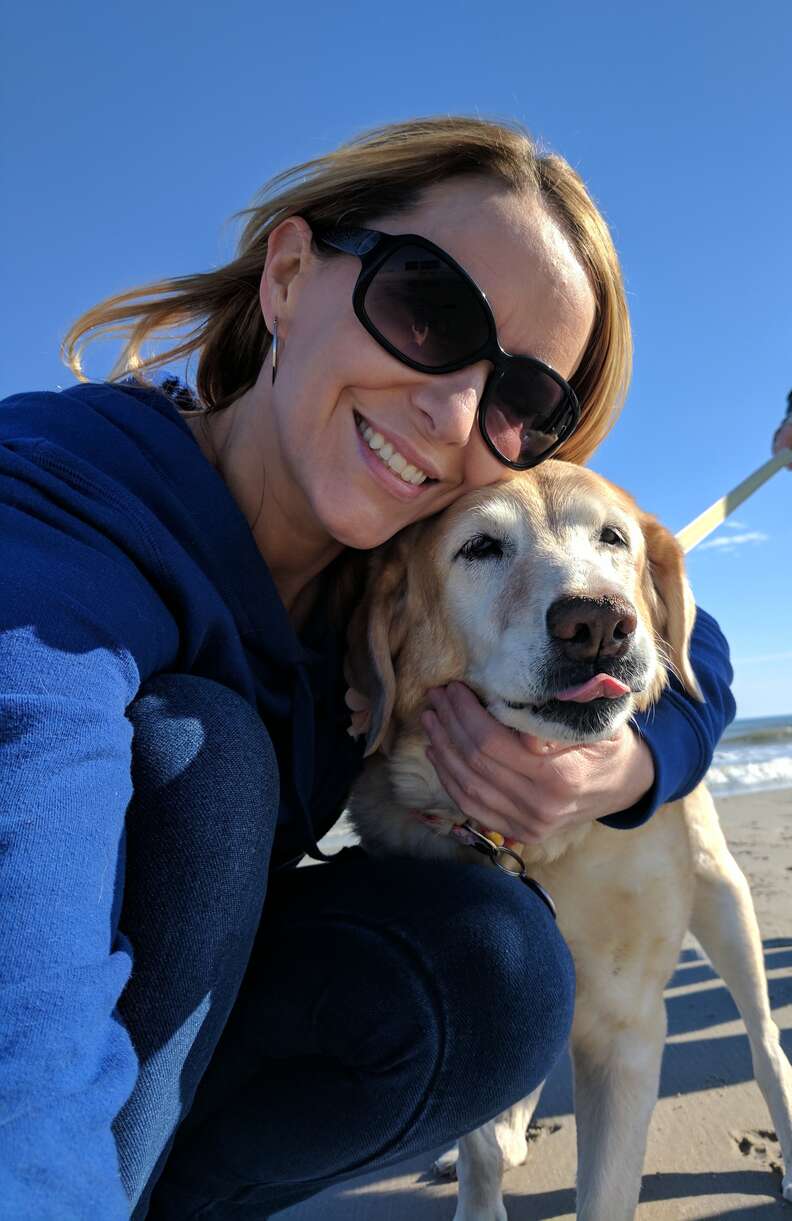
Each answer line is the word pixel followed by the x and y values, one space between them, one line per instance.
pixel 588 628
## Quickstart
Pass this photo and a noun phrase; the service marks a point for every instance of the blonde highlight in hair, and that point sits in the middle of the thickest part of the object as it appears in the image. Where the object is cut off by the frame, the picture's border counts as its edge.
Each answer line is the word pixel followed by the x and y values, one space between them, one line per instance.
pixel 381 172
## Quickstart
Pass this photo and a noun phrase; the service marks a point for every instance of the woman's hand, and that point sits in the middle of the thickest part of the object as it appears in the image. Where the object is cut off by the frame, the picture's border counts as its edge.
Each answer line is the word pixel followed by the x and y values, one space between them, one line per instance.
pixel 359 706
pixel 783 438
pixel 523 786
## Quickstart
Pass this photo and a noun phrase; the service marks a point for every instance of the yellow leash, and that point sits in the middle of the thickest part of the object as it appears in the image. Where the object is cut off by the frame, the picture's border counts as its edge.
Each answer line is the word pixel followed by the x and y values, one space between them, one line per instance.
pixel 697 530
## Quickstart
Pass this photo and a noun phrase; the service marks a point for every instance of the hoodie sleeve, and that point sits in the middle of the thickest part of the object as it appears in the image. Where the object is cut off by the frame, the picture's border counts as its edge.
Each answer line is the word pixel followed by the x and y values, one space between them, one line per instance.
pixel 79 627
pixel 681 732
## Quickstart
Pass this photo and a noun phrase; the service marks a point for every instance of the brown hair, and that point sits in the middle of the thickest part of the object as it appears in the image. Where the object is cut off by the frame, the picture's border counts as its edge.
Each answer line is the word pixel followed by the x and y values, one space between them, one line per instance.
pixel 381 172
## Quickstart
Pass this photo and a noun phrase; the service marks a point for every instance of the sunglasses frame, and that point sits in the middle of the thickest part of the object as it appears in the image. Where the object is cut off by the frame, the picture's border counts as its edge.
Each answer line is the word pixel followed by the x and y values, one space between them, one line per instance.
pixel 374 248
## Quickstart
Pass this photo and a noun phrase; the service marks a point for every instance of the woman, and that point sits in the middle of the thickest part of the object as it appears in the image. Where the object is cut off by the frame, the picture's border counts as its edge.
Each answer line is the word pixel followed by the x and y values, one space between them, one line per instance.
pixel 170 574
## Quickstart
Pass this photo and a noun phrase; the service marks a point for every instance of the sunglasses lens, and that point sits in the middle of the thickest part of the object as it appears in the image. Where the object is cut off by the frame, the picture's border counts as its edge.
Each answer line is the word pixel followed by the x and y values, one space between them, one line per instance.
pixel 526 413
pixel 425 309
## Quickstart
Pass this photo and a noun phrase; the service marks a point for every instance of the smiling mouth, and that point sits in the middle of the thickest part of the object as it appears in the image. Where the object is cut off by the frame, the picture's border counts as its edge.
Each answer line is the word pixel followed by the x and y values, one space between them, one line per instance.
pixel 389 455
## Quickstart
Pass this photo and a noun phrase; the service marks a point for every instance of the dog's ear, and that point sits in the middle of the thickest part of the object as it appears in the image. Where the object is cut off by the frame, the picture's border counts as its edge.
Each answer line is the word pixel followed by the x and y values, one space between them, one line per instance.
pixel 670 598
pixel 376 633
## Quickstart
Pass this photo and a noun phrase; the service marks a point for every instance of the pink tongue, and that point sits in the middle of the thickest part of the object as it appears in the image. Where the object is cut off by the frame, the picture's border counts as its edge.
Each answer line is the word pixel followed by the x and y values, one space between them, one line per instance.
pixel 602 686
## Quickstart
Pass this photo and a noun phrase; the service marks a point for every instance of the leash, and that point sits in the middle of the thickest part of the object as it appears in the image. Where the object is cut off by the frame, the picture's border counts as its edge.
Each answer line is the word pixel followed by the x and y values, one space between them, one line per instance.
pixel 489 846
pixel 697 530
pixel 492 845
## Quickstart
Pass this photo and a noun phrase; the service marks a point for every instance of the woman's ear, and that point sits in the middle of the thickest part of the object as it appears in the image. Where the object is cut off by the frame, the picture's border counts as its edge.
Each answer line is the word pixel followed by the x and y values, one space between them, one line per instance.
pixel 376 633
pixel 671 599
pixel 289 248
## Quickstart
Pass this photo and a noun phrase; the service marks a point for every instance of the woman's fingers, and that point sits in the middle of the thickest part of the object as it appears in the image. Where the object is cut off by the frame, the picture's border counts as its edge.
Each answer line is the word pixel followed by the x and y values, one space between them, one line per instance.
pixel 541 746
pixel 484 816
pixel 474 732
pixel 475 793
pixel 356 701
pixel 497 797
pixel 360 707
pixel 522 786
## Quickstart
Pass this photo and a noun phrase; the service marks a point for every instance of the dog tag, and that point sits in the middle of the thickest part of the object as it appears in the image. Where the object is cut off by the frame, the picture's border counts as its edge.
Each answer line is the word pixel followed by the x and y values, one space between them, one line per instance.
pixel 476 839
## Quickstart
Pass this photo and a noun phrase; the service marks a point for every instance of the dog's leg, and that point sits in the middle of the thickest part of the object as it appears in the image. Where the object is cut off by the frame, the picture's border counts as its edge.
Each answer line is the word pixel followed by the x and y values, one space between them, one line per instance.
pixel 510 1130
pixel 724 921
pixel 446 1165
pixel 479 1170
pixel 617 1074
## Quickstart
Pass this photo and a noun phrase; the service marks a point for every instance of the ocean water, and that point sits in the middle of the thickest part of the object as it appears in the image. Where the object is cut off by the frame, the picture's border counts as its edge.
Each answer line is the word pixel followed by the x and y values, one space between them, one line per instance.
pixel 753 754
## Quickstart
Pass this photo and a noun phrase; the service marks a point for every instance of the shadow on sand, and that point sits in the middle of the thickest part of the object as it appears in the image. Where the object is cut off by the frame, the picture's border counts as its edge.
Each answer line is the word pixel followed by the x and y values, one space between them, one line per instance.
pixel 687 1068
pixel 424 1203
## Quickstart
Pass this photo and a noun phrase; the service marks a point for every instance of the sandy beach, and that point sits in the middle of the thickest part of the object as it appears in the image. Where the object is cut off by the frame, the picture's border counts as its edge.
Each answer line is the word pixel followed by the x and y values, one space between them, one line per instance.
pixel 711 1153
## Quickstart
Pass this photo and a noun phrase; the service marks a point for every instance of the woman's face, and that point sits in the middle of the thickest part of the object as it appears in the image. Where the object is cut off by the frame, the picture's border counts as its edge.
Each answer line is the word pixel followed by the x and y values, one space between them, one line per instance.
pixel 334 380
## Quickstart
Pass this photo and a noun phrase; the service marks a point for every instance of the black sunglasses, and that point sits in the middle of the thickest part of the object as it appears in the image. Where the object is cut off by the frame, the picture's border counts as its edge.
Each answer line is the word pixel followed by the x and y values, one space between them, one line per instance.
pixel 424 309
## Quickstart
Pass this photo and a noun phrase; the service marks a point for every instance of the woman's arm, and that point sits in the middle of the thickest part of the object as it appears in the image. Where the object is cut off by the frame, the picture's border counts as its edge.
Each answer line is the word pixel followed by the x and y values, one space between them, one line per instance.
pixel 682 733
pixel 77 622
pixel 527 789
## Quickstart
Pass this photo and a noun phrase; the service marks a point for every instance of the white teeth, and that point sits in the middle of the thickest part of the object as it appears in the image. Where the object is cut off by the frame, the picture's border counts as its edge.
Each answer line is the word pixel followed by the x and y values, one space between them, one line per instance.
pixel 390 456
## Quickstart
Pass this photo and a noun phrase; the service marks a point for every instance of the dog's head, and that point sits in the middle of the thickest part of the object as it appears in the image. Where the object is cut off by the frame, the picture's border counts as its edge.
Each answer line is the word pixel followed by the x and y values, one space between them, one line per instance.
pixel 558 601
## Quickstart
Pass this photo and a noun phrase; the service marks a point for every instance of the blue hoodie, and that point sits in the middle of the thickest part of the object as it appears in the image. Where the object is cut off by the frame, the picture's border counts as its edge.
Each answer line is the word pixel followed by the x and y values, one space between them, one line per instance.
pixel 123 555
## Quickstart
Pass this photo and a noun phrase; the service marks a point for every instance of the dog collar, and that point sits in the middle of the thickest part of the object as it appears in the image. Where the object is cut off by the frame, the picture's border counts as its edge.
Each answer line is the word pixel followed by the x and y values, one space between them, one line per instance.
pixel 490 844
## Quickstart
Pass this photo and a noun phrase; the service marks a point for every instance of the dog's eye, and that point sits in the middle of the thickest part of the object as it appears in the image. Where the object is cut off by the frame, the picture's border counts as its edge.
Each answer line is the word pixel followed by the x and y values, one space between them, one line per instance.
pixel 481 547
pixel 612 537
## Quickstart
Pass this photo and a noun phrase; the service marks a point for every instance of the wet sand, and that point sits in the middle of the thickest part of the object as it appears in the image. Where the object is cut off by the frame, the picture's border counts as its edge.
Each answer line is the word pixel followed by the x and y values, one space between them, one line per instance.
pixel 711 1153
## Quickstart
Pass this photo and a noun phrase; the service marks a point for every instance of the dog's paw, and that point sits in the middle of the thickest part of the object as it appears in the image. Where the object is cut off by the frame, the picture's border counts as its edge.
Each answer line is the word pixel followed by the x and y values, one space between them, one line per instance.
pixel 763 1147
pixel 446 1166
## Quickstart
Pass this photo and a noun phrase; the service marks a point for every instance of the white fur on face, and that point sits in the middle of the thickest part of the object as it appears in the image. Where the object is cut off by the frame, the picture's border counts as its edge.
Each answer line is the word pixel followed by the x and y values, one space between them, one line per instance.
pixel 506 567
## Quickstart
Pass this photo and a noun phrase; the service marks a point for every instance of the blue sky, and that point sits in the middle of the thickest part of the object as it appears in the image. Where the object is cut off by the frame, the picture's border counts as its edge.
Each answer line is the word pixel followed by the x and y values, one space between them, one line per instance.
pixel 133 132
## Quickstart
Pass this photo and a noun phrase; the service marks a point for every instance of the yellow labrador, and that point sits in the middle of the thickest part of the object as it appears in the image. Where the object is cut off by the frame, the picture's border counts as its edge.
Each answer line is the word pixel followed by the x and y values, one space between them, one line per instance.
pixel 564 607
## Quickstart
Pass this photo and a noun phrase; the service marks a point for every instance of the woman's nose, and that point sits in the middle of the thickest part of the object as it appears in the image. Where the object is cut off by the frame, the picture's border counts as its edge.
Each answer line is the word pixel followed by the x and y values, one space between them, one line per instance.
pixel 448 402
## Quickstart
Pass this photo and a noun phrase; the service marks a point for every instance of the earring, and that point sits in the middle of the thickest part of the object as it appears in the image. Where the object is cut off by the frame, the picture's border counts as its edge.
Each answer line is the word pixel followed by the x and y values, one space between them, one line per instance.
pixel 274 349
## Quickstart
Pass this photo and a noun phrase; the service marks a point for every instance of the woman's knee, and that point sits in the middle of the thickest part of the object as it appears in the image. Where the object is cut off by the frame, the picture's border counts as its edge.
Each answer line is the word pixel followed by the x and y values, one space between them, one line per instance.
pixel 534 978
pixel 508 979
pixel 455 976
pixel 200 826
pixel 472 1010
pixel 201 754
pixel 198 837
